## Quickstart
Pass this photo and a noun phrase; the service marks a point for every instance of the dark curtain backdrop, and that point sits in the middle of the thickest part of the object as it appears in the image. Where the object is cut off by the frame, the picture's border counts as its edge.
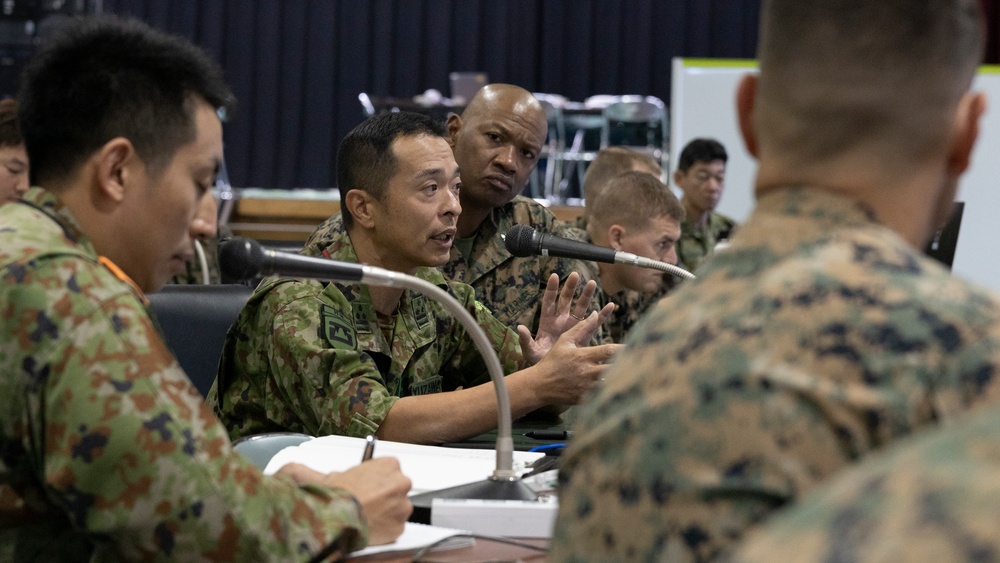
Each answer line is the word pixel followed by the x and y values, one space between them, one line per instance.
pixel 297 66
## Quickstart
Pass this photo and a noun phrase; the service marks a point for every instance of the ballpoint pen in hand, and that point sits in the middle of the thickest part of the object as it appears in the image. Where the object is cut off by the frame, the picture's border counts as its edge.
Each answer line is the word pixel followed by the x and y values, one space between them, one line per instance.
pixel 369 448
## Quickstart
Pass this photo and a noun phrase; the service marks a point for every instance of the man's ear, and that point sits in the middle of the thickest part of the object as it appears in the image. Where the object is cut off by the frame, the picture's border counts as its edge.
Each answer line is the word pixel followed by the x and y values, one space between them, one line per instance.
pixel 359 205
pixel 115 168
pixel 965 131
pixel 615 234
pixel 678 178
pixel 746 98
pixel 454 125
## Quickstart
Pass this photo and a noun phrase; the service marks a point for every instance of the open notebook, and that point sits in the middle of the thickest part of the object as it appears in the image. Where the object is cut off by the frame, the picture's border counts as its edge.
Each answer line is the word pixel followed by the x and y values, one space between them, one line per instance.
pixel 429 467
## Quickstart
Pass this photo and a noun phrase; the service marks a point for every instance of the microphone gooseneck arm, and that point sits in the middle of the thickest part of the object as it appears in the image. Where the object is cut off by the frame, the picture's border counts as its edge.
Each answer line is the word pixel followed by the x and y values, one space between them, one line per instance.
pixel 633 260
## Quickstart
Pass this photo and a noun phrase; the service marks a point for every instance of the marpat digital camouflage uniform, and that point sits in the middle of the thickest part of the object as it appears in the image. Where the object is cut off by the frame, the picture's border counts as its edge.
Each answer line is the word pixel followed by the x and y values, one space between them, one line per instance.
pixel 107 451
pixel 697 244
pixel 932 499
pixel 630 305
pixel 509 286
pixel 818 336
pixel 310 357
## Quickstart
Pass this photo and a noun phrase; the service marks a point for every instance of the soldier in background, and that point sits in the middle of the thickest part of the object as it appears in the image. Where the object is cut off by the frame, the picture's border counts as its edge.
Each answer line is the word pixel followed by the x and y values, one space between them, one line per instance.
pixel 608 164
pixel 13 158
pixel 352 359
pixel 823 333
pixel 109 452
pixel 649 226
pixel 701 175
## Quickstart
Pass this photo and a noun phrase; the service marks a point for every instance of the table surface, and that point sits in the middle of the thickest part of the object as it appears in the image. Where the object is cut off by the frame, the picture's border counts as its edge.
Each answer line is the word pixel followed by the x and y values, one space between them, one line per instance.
pixel 483 550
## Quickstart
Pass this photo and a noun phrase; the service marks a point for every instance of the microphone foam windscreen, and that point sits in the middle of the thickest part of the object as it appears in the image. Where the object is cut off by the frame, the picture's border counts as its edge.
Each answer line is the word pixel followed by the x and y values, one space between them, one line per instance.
pixel 241 258
pixel 517 240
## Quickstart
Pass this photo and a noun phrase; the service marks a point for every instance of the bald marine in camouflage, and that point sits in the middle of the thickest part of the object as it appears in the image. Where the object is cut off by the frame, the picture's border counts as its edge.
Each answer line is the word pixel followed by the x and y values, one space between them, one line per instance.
pixel 335 358
pixel 822 333
pixel 932 498
pixel 497 141
pixel 108 451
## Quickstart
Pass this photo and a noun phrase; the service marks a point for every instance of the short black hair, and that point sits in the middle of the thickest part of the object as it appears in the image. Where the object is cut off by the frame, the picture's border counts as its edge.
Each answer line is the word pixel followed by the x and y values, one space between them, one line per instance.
pixel 701 150
pixel 98 78
pixel 10 133
pixel 365 160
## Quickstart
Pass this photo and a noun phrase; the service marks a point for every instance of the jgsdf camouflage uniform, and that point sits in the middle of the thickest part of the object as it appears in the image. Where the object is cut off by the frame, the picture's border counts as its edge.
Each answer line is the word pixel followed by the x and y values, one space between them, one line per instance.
pixel 697 244
pixel 311 357
pixel 510 287
pixel 933 499
pixel 818 336
pixel 107 451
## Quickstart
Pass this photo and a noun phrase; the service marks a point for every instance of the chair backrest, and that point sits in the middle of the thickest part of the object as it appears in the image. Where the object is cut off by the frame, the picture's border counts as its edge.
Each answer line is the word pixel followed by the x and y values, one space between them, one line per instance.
pixel 260 448
pixel 194 320
pixel 641 122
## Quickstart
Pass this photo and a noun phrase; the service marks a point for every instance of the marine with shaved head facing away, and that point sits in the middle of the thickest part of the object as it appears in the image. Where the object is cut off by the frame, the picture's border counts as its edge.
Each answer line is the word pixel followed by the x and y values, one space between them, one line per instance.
pixel 822 333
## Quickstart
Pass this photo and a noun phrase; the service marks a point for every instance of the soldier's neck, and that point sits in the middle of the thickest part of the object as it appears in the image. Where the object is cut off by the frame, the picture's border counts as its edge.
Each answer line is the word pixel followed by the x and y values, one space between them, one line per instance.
pixel 696 217
pixel 385 300
pixel 470 219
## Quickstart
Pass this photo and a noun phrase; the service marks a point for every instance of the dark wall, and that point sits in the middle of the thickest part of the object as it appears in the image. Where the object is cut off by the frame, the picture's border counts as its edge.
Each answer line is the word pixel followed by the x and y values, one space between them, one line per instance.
pixel 297 66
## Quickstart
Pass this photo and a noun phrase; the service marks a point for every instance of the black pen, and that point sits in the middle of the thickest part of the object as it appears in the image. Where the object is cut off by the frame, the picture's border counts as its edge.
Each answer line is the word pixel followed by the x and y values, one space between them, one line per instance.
pixel 369 448
pixel 549 434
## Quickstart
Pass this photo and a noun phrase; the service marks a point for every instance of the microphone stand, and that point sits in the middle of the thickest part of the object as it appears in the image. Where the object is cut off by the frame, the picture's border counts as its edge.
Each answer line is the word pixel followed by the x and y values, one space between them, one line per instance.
pixel 247 258
pixel 504 484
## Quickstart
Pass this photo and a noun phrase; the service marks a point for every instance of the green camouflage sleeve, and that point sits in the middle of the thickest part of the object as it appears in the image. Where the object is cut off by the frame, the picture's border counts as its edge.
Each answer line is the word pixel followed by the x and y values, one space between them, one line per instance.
pixel 126 449
pixel 319 376
pixel 933 498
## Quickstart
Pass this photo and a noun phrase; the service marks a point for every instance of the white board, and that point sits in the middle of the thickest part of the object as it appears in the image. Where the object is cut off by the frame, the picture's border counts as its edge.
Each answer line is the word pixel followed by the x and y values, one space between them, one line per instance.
pixel 703 104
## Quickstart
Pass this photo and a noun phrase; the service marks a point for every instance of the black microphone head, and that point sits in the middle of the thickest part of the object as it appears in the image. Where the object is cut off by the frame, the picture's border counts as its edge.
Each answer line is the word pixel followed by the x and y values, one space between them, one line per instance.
pixel 517 240
pixel 241 258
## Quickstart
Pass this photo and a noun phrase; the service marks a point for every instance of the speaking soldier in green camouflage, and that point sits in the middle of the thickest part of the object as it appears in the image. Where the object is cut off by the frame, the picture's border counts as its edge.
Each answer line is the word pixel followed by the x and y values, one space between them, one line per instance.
pixel 933 498
pixel 331 358
pixel 821 333
pixel 107 452
pixel 496 142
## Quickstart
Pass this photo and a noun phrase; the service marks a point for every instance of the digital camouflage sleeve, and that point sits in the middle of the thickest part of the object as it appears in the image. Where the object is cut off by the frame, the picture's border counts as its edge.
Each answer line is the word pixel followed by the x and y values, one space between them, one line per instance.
pixel 934 498
pixel 106 449
pixel 816 338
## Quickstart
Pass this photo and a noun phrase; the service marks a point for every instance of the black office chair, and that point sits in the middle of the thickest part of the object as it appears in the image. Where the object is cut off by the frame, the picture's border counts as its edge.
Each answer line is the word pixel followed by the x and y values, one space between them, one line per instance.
pixel 194 319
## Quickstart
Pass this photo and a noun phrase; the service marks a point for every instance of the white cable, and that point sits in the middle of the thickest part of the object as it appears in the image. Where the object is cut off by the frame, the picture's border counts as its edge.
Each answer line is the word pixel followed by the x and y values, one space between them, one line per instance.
pixel 203 261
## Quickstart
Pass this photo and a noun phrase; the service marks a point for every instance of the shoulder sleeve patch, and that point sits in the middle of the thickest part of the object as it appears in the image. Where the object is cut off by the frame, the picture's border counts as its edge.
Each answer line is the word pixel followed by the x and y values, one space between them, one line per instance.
pixel 336 328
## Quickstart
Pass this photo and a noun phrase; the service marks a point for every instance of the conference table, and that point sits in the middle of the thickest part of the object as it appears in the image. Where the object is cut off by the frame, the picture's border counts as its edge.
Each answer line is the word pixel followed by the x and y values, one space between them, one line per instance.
pixel 486 549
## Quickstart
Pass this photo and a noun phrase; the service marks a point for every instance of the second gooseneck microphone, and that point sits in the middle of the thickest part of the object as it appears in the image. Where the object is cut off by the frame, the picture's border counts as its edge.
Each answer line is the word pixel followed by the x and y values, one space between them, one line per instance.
pixel 522 240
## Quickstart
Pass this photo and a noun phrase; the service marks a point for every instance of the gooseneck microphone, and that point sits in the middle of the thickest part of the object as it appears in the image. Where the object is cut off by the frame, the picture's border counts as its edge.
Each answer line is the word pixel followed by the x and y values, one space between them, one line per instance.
pixel 522 240
pixel 244 258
